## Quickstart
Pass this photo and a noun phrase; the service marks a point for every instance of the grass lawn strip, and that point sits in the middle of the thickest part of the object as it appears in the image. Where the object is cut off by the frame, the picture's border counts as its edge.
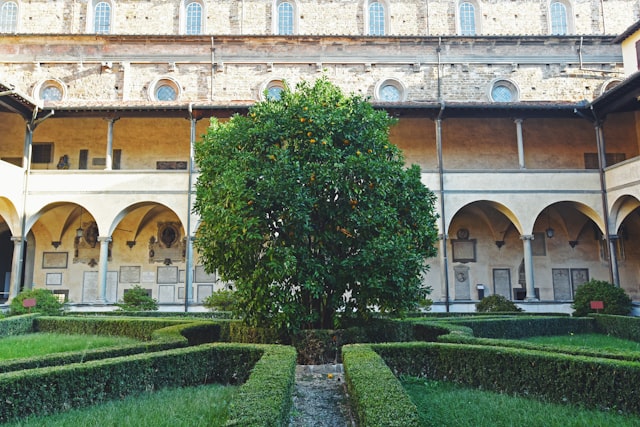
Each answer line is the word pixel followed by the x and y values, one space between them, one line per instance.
pixel 178 407
pixel 444 404
pixel 38 344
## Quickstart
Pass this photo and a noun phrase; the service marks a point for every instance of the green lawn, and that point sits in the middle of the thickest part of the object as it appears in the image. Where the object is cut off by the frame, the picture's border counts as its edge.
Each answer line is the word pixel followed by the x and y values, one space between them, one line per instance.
pixel 589 341
pixel 445 404
pixel 181 407
pixel 38 344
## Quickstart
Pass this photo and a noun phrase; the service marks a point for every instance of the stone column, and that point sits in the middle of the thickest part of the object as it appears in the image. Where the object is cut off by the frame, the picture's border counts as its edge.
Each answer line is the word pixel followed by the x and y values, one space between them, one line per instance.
pixel 16 267
pixel 445 295
pixel 109 155
pixel 613 258
pixel 528 267
pixel 103 266
pixel 518 123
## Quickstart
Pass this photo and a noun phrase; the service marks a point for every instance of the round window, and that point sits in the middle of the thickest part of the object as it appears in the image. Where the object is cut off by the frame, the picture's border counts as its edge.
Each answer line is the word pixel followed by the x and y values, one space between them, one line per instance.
pixel 274 93
pixel 166 92
pixel 503 91
pixel 390 90
pixel 389 93
pixel 50 90
pixel 164 89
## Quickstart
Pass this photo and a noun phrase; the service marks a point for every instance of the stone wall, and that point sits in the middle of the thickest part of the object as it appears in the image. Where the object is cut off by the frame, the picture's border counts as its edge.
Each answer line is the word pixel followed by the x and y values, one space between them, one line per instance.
pixel 327 17
pixel 96 69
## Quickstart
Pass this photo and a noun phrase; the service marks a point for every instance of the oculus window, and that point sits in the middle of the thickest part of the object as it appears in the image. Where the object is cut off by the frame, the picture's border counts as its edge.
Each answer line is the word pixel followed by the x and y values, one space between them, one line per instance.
pixel 390 90
pixel 504 91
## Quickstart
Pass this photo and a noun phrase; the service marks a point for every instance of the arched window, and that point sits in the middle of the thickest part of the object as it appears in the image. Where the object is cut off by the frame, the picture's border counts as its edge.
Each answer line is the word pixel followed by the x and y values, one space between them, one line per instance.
pixel 8 17
pixel 193 18
pixel 467 19
pixel 286 18
pixel 102 18
pixel 558 16
pixel 377 19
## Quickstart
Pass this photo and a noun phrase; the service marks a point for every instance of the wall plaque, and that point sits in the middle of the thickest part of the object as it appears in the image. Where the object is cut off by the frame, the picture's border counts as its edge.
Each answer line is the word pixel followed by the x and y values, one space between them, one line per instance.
pixel 502 282
pixel 168 275
pixel 202 276
pixel 561 284
pixel 464 250
pixel 54 279
pixel 166 293
pixel 204 291
pixel 462 288
pixel 54 259
pixel 130 274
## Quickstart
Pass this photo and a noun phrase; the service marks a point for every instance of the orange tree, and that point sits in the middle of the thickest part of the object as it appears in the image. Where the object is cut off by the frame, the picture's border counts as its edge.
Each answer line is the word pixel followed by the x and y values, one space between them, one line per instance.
pixel 308 208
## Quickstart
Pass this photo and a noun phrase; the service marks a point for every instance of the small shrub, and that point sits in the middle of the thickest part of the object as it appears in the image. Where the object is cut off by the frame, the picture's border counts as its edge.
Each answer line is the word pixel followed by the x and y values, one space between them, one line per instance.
pixel 46 303
pixel 222 300
pixel 137 299
pixel 615 300
pixel 495 304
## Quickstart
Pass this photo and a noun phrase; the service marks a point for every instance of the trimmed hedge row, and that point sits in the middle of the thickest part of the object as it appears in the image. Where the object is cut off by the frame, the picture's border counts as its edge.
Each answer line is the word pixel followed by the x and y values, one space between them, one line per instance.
pixel 17 325
pixel 593 382
pixel 618 326
pixel 376 395
pixel 138 328
pixel 53 389
pixel 212 315
pixel 521 326
pixel 266 398
pixel 576 351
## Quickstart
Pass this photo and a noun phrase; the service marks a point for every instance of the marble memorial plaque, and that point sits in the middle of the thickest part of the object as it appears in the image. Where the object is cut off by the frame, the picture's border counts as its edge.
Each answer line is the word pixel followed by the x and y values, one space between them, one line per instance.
pixel 502 282
pixel 202 276
pixel 168 275
pixel 561 284
pixel 204 291
pixel 130 274
pixel 462 289
pixel 166 293
pixel 90 286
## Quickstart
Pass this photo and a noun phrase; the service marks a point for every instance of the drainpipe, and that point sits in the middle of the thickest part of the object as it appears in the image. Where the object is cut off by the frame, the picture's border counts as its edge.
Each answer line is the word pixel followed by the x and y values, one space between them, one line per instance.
pixel 18 269
pixel 602 164
pixel 614 276
pixel 439 50
pixel 443 222
pixel 188 291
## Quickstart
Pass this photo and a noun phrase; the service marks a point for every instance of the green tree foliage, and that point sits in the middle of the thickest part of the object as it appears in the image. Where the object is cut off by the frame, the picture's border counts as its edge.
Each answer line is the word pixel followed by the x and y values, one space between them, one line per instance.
pixel 137 299
pixel 223 300
pixel 496 304
pixel 615 300
pixel 304 202
pixel 46 303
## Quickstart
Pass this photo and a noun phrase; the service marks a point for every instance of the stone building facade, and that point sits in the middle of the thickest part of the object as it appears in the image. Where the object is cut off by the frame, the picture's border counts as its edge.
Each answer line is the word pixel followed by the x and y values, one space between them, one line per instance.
pixel 505 105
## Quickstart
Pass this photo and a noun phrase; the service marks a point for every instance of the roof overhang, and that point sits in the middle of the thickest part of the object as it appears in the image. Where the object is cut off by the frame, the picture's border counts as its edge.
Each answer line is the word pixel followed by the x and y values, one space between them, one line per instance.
pixel 426 109
pixel 624 97
pixel 12 101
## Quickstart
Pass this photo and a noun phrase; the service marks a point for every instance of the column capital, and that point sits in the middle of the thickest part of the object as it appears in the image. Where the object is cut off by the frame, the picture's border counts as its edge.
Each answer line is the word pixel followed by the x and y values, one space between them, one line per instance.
pixel 518 121
pixel 613 237
pixel 527 237
pixel 16 239
pixel 104 239
pixel 443 236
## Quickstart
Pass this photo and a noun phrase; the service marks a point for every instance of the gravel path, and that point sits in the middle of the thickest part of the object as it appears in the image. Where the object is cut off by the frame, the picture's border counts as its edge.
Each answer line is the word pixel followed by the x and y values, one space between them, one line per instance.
pixel 320 398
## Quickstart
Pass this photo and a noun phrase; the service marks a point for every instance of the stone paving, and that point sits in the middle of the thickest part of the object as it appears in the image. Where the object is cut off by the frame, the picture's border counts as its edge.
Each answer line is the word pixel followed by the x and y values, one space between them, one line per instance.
pixel 320 397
